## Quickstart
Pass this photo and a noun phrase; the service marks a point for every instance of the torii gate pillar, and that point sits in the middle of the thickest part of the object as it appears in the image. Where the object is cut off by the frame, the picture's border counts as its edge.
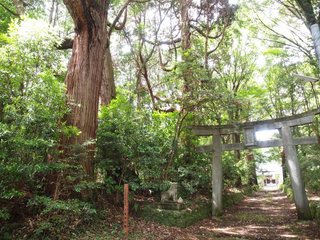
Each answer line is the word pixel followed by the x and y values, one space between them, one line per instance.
pixel 217 176
pixel 299 193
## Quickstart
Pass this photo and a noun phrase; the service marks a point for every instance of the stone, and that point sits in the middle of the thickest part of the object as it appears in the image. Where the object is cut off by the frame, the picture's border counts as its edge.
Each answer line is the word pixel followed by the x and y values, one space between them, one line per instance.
pixel 171 194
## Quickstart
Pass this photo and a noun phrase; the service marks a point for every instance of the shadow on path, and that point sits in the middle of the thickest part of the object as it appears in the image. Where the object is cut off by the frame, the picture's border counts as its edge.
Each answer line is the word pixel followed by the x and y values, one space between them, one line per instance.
pixel 265 215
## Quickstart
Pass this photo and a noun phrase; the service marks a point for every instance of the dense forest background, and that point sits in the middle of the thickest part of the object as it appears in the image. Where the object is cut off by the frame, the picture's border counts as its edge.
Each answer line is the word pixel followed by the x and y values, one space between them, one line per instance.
pixel 101 93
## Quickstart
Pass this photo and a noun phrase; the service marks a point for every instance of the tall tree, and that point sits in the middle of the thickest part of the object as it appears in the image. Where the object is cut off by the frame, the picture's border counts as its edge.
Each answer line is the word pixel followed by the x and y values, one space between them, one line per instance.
pixel 90 70
pixel 85 71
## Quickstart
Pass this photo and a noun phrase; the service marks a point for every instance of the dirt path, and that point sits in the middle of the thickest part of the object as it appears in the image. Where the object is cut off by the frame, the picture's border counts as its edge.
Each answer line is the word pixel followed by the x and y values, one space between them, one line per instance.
pixel 265 215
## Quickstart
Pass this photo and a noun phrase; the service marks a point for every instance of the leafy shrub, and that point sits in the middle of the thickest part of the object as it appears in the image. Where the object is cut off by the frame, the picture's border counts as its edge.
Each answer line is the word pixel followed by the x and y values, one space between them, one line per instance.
pixel 196 175
pixel 31 106
pixel 231 169
pixel 132 145
pixel 4 214
pixel 315 210
pixel 73 206
pixel 59 216
pixel 310 165
pixel 286 187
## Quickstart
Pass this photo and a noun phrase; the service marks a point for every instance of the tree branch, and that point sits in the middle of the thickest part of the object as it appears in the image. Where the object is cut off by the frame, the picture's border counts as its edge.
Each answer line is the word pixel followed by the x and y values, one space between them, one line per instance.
pixel 219 43
pixel 116 20
pixel 158 43
pixel 163 65
pixel 9 10
pixel 291 8
pixel 286 38
pixel 204 34
pixel 67 43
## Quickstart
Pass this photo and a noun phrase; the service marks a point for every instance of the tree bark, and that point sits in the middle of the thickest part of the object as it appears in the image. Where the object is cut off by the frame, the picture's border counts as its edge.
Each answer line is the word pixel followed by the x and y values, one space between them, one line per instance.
pixel 19 7
pixel 313 24
pixel 54 11
pixel 108 87
pixel 308 11
pixel 85 72
pixel 186 43
pixel 283 165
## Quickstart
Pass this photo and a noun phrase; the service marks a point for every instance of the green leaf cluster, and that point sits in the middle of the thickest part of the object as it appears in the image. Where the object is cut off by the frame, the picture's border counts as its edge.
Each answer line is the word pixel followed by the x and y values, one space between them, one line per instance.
pixel 59 216
pixel 132 145
pixel 32 105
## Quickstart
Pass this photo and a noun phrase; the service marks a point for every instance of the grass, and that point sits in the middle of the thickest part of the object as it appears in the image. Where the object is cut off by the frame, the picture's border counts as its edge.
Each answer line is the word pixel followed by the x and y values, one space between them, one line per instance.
pixel 251 217
pixel 215 236
pixel 181 218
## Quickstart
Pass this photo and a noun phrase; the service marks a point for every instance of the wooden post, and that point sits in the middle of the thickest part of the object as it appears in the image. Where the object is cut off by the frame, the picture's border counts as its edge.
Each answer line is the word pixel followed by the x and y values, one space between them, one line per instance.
pixel 126 211
pixel 300 197
pixel 217 176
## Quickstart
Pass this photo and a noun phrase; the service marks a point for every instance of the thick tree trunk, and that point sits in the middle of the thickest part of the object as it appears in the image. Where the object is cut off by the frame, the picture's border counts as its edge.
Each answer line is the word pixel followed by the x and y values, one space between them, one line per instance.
pixel 85 71
pixel 108 88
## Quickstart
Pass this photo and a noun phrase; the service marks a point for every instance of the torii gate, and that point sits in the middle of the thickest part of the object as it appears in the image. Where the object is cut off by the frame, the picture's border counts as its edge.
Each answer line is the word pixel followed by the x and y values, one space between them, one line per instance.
pixel 250 142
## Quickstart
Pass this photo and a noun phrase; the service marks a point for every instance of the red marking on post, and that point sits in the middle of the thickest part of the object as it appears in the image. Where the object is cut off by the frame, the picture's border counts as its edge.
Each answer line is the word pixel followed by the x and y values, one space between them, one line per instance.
pixel 126 211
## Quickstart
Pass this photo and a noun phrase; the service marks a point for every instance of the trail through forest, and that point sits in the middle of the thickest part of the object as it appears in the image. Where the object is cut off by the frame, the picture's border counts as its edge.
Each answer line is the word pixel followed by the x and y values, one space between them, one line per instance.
pixel 265 215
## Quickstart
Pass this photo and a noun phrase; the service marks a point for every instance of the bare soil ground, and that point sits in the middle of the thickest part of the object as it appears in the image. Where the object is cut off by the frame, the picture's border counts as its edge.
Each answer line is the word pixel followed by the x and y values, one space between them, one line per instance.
pixel 265 215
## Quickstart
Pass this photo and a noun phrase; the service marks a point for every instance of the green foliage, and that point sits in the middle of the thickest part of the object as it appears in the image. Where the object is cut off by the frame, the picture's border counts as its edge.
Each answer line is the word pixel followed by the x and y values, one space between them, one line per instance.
pixel 135 146
pixel 287 189
pixel 231 171
pixel 73 206
pixel 132 145
pixel 59 216
pixel 6 17
pixel 4 215
pixel 195 176
pixel 31 107
pixel 274 51
pixel 193 170
pixel 310 165
pixel 315 210
pixel 85 185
